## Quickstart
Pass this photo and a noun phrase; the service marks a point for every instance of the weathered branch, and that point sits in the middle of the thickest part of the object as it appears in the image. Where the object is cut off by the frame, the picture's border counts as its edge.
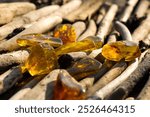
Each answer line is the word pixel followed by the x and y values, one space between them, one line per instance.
pixel 128 10
pixel 16 57
pixel 116 70
pixel 105 25
pixel 90 31
pixel 126 87
pixel 110 87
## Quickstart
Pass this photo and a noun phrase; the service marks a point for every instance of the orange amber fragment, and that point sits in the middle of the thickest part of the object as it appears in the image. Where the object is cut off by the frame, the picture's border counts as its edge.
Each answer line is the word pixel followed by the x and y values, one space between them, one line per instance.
pixel 119 50
pixel 66 32
pixel 67 88
pixel 42 60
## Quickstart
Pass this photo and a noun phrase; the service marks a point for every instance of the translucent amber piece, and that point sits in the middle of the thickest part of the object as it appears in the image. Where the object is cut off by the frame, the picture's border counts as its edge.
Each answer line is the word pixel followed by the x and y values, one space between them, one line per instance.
pixel 66 32
pixel 86 45
pixel 67 88
pixel 116 51
pixel 84 67
pixel 30 39
pixel 42 60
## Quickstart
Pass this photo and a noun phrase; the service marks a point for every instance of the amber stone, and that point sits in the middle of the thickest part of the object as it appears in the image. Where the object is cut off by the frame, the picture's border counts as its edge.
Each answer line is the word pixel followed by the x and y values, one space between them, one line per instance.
pixel 119 50
pixel 66 32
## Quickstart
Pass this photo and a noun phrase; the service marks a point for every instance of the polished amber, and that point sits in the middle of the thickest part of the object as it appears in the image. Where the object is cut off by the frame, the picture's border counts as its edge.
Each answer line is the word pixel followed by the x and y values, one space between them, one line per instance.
pixel 67 88
pixel 88 44
pixel 42 60
pixel 119 50
pixel 30 39
pixel 66 32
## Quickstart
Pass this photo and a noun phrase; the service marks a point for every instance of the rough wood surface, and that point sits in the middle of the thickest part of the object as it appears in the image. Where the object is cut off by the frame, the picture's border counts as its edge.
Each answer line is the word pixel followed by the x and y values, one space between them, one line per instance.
pixel 16 57
pixel 145 93
pixel 9 79
pixel 110 87
pixel 115 71
pixel 128 10
pixel 8 12
pixel 105 25
pixel 90 31
pixel 44 89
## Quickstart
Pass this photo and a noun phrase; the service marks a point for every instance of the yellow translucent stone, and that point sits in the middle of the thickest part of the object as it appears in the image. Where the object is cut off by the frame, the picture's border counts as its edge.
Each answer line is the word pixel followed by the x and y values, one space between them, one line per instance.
pixel 30 39
pixel 40 61
pixel 119 50
pixel 66 32
pixel 88 44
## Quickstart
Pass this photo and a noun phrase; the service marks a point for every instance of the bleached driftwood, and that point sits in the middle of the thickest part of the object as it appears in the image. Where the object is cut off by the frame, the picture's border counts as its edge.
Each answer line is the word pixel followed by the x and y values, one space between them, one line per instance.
pixel 142 8
pixel 105 25
pixel 8 12
pixel 79 28
pixel 44 89
pixel 90 31
pixel 41 26
pixel 16 57
pixel 128 10
pixel 37 14
pixel 110 87
pixel 115 71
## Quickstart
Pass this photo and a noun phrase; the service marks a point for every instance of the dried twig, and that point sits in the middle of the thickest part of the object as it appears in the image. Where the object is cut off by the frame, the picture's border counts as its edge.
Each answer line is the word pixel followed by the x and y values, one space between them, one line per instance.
pixel 90 31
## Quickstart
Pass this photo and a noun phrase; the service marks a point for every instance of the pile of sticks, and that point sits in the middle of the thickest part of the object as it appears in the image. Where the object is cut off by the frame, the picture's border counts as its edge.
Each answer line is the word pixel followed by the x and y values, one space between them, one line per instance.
pixel 111 80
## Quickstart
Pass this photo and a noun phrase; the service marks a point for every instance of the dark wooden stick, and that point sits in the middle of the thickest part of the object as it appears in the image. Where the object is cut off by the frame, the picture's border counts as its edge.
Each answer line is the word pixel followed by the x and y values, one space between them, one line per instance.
pixel 126 87
pixel 145 93
pixel 10 78
pixel 20 94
